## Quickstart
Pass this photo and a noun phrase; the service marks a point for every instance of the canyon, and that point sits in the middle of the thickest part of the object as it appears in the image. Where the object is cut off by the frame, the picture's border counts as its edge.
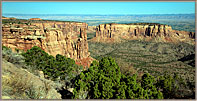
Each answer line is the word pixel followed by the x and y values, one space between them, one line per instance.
pixel 141 31
pixel 137 48
pixel 70 38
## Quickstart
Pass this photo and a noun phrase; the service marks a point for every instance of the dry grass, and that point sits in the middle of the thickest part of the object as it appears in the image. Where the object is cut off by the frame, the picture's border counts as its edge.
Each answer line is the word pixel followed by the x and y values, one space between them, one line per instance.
pixel 18 83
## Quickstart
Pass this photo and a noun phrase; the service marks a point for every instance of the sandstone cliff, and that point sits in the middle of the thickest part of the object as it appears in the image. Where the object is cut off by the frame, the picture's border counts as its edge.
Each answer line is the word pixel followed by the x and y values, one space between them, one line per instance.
pixel 35 19
pixel 8 18
pixel 53 37
pixel 155 32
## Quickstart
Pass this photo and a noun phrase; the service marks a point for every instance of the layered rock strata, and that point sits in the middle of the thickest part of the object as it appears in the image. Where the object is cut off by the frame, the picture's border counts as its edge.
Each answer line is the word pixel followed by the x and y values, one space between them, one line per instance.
pixel 35 19
pixel 156 32
pixel 53 37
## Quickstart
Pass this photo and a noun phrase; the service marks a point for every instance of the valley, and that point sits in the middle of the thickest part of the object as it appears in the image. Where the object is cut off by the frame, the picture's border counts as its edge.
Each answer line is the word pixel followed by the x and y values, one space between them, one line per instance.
pixel 155 58
pixel 75 48
pixel 159 51
pixel 98 50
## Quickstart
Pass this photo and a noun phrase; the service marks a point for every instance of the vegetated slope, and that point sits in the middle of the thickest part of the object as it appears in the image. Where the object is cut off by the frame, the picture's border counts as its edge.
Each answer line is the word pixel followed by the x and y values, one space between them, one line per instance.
pixel 189 59
pixel 91 35
pixel 152 57
pixel 38 74
pixel 103 80
pixel 21 83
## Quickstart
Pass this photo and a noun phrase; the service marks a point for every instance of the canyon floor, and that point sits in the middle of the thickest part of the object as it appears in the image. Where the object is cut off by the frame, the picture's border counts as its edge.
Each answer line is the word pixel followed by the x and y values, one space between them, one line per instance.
pixel 156 58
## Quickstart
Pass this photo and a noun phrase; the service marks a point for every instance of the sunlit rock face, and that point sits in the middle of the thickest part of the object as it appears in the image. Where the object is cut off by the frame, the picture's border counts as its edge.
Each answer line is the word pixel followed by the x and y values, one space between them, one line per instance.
pixel 154 32
pixel 53 37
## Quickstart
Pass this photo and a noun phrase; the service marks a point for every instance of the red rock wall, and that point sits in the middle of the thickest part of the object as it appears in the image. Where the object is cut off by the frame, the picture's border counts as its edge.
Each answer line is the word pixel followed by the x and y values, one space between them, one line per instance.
pixel 53 37
pixel 164 33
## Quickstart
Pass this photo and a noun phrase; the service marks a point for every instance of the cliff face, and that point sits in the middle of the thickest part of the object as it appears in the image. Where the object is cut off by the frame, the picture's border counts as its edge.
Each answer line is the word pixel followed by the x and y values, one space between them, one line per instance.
pixel 35 19
pixel 156 32
pixel 53 37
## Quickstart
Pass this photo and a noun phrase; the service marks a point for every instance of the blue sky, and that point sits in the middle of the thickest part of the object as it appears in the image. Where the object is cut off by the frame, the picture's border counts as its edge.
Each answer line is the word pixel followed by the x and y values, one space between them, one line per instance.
pixel 98 7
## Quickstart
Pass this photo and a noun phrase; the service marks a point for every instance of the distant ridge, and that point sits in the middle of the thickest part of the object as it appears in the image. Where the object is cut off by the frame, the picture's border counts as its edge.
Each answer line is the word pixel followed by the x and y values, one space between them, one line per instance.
pixel 141 31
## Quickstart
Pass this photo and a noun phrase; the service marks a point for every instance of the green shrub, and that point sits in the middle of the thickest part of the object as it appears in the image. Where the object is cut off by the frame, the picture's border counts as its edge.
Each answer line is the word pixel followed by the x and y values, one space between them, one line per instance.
pixel 12 57
pixel 58 67
pixel 175 87
pixel 103 80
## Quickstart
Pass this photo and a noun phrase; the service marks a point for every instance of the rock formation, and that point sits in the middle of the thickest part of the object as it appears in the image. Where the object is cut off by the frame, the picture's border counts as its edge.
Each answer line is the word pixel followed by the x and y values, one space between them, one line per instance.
pixel 53 37
pixel 156 32
pixel 8 18
pixel 35 19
